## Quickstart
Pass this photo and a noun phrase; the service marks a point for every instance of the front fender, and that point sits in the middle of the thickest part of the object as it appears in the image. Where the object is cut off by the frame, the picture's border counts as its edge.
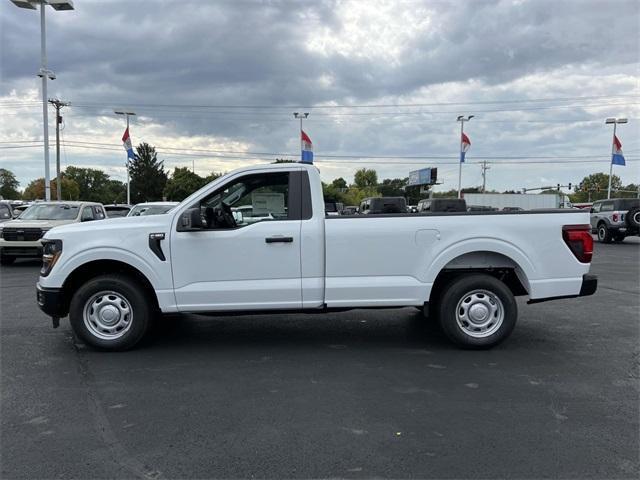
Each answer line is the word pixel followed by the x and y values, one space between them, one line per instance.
pixel 66 266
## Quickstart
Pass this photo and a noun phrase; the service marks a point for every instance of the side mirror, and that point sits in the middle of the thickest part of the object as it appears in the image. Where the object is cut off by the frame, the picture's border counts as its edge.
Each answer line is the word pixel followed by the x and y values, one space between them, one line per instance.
pixel 190 220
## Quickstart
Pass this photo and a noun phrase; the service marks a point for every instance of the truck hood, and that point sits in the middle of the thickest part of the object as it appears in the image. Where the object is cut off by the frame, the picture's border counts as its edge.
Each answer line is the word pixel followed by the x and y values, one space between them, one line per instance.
pixel 44 224
pixel 113 227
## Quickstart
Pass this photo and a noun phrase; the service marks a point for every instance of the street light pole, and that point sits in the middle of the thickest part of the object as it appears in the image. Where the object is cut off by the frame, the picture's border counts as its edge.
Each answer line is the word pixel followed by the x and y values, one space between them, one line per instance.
pixel 126 115
pixel 615 122
pixel 45 109
pixel 44 73
pixel 300 116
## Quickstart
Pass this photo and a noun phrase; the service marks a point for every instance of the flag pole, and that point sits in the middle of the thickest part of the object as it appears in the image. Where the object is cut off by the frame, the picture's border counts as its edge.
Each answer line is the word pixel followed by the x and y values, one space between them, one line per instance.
pixel 460 159
pixel 613 143
pixel 127 165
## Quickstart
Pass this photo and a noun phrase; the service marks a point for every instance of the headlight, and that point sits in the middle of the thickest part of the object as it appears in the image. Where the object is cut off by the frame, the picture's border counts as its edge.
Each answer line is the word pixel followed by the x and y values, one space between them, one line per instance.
pixel 51 251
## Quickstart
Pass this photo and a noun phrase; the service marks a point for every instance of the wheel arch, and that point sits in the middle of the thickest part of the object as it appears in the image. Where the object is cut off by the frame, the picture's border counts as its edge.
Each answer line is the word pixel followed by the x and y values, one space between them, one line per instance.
pixel 91 269
pixel 511 267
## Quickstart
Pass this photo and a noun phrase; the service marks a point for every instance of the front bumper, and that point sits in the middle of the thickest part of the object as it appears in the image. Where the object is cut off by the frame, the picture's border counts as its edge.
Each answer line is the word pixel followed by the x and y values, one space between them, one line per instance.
pixel 589 287
pixel 52 301
pixel 23 249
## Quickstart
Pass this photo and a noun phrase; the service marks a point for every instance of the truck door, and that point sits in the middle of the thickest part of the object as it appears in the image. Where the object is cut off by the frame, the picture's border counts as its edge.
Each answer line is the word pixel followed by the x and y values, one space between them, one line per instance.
pixel 246 256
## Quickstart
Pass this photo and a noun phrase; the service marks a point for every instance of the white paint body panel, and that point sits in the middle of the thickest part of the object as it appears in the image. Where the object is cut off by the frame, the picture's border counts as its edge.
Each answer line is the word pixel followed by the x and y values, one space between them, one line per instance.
pixel 342 262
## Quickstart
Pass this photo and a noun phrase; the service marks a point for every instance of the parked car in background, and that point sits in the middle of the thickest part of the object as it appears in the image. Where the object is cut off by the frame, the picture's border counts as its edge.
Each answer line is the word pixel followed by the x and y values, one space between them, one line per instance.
pixel 512 209
pixel 412 209
pixel 481 208
pixel 333 208
pixel 442 205
pixel 117 210
pixel 615 219
pixel 151 208
pixel 18 209
pixel 6 211
pixel 375 205
pixel 350 210
pixel 21 237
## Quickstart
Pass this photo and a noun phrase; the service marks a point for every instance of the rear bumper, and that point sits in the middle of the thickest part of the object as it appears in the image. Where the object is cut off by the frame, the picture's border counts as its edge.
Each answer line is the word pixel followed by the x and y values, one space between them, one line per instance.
pixel 51 301
pixel 588 287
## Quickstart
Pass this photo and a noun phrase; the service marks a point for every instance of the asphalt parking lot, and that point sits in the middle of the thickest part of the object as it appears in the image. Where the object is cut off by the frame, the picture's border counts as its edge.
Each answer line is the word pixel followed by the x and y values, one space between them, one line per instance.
pixel 359 394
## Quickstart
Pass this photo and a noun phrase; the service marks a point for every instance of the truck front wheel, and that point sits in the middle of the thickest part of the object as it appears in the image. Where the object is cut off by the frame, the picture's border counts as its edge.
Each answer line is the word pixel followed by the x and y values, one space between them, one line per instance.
pixel 110 312
pixel 477 311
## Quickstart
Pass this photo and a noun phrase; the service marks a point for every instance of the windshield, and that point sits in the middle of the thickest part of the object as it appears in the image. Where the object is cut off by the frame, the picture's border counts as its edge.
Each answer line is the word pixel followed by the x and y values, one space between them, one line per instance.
pixel 60 211
pixel 5 211
pixel 143 210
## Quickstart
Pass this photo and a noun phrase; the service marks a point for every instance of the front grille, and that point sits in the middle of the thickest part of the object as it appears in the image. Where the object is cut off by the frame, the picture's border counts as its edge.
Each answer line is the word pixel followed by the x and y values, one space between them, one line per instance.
pixel 21 234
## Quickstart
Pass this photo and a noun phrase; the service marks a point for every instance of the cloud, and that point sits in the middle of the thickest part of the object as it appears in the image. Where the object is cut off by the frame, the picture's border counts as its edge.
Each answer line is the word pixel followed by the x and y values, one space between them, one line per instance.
pixel 169 60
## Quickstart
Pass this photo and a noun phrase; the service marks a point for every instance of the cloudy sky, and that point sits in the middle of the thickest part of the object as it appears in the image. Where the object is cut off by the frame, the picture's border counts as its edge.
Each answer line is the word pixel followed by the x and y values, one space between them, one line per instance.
pixel 215 83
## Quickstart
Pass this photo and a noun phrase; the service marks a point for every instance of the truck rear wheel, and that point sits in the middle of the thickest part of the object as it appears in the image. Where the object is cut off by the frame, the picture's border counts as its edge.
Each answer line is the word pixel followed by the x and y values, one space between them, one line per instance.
pixel 110 312
pixel 477 311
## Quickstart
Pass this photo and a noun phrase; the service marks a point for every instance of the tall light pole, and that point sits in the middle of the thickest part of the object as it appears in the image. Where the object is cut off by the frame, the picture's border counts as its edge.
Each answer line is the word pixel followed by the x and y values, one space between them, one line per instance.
pixel 461 119
pixel 615 122
pixel 300 116
pixel 127 115
pixel 44 73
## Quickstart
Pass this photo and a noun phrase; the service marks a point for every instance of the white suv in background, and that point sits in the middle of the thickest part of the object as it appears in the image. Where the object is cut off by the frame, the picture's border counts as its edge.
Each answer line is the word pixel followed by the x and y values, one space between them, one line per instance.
pixel 21 237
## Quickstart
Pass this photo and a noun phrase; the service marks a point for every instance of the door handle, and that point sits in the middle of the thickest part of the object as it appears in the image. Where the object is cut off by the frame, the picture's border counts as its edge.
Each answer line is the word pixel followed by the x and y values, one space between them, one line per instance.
pixel 278 239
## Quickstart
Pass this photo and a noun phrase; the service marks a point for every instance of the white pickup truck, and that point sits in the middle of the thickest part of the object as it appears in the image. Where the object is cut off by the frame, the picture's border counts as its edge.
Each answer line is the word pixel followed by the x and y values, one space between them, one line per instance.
pixel 113 277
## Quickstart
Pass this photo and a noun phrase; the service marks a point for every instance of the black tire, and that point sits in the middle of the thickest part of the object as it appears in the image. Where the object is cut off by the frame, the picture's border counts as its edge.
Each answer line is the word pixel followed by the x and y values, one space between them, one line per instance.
pixel 632 218
pixel 120 294
pixel 484 289
pixel 604 234
pixel 7 260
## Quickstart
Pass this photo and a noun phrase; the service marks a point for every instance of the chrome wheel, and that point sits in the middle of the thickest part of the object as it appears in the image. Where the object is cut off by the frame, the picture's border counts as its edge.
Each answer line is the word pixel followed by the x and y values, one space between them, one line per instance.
pixel 480 313
pixel 108 315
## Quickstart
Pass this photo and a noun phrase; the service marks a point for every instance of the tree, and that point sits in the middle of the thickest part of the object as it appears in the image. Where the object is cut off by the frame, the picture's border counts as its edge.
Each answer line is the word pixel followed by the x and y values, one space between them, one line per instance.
pixel 392 187
pixel 8 185
pixel 339 183
pixel 365 178
pixel 147 175
pixel 35 189
pixel 594 187
pixel 212 176
pixel 115 192
pixel 94 184
pixel 183 182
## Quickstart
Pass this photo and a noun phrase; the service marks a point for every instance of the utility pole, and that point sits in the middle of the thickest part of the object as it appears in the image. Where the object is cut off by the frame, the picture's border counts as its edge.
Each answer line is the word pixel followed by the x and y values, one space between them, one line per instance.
pixel 58 104
pixel 461 119
pixel 300 116
pixel 484 168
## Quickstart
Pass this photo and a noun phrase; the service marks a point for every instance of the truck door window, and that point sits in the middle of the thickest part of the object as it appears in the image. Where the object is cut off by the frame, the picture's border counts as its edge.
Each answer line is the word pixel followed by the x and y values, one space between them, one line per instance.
pixel 247 200
pixel 87 214
pixel 607 207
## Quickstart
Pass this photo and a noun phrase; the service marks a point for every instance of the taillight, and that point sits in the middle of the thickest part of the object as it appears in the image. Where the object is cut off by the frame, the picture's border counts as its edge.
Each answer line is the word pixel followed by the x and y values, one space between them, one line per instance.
pixel 579 240
pixel 615 217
